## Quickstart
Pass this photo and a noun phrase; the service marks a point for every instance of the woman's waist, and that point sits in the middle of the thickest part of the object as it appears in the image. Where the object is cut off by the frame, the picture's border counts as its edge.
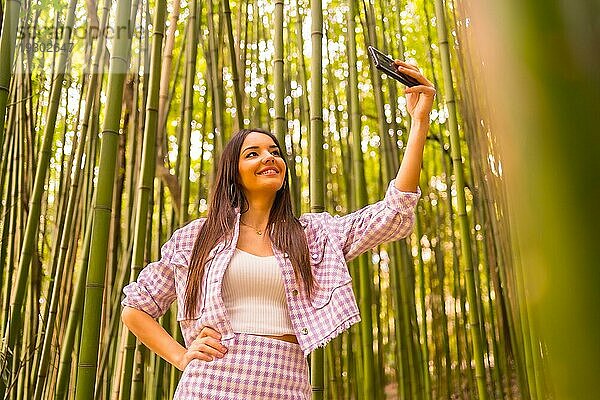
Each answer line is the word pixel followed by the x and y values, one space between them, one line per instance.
pixel 290 338
pixel 286 338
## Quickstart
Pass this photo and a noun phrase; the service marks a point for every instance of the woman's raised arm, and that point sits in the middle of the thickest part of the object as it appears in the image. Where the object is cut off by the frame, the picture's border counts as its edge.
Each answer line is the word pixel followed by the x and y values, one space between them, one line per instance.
pixel 419 101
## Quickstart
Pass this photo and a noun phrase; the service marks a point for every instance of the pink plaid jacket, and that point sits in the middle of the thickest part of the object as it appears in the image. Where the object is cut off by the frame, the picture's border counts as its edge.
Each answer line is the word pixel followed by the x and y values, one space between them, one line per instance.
pixel 332 241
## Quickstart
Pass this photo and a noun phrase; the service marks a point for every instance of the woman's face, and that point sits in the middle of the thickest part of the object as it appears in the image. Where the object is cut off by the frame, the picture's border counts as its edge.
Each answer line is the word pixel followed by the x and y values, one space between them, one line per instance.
pixel 261 168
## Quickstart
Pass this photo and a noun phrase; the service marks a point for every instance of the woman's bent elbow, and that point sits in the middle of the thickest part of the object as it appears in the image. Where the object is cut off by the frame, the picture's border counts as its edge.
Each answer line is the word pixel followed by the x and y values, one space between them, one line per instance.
pixel 126 314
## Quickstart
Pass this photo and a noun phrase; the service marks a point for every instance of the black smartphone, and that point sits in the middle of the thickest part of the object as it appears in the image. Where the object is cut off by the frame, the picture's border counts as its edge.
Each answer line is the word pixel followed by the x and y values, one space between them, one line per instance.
pixel 386 65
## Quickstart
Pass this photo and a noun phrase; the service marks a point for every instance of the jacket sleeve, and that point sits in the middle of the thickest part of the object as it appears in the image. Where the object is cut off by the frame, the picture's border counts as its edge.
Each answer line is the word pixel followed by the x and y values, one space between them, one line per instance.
pixel 389 219
pixel 154 290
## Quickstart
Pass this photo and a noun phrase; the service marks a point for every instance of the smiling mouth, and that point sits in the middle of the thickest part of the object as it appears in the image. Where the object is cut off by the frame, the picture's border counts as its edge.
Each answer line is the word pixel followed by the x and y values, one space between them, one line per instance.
pixel 268 172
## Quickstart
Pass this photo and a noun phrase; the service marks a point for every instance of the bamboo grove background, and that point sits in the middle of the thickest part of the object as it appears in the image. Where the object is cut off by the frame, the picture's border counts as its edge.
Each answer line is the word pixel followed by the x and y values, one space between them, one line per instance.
pixel 113 118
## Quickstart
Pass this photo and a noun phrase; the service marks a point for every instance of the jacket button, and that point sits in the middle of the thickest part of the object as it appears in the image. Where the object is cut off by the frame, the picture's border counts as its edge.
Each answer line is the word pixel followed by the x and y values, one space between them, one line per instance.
pixel 304 331
pixel 315 255
pixel 286 255
pixel 295 292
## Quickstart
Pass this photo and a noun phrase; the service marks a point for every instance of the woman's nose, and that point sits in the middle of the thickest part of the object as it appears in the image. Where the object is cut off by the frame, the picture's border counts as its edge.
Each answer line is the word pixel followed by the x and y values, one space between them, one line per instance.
pixel 269 158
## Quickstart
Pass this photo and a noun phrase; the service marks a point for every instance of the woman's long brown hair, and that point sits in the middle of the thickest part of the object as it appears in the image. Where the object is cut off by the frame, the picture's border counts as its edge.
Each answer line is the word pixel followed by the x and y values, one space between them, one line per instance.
pixel 285 230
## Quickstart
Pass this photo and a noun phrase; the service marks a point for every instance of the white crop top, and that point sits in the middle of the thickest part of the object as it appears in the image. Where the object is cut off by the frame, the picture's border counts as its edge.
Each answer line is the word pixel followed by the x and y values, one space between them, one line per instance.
pixel 254 295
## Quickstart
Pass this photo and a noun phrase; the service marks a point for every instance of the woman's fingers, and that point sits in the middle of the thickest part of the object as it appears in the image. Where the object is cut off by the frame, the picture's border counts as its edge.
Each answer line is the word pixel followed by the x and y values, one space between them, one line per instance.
pixel 208 343
pixel 207 331
pixel 420 89
pixel 200 356
pixel 215 344
pixel 415 74
pixel 413 71
pixel 206 347
pixel 211 351
pixel 406 65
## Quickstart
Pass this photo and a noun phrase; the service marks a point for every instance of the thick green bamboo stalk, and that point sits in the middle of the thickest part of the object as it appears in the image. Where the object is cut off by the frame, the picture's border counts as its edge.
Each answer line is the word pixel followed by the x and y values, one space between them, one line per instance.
pixel 33 218
pixel 317 182
pixel 331 386
pixel 344 364
pixel 133 125
pixel 88 357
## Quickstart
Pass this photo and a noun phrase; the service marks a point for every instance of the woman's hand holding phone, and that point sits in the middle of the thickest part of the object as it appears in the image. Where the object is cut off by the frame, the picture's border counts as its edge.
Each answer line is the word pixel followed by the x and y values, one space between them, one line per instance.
pixel 419 98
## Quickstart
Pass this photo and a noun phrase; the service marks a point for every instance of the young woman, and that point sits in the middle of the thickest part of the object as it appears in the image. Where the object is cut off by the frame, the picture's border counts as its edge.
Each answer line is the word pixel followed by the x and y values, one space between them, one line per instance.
pixel 258 289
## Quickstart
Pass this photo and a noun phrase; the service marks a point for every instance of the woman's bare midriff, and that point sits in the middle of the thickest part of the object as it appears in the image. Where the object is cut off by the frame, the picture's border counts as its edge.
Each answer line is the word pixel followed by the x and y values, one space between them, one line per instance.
pixel 285 338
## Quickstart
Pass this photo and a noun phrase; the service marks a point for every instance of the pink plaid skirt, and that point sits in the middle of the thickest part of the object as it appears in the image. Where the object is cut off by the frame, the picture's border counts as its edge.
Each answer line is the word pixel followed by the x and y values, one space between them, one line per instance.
pixel 254 367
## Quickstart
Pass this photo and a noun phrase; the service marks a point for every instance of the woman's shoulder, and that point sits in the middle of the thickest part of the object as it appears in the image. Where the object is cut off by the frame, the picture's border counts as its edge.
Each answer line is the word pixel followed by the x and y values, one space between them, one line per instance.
pixel 315 224
pixel 314 218
pixel 185 237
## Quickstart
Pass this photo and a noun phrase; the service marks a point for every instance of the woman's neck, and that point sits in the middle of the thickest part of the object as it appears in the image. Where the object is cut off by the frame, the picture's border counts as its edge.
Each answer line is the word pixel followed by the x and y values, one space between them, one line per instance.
pixel 258 212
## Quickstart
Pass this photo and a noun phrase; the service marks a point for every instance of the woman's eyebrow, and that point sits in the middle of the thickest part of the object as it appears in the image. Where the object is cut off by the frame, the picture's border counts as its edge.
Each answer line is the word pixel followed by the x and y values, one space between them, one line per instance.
pixel 273 146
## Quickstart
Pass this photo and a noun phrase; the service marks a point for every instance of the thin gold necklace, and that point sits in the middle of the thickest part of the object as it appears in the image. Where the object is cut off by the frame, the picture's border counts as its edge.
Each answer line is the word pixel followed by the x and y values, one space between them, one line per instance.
pixel 259 232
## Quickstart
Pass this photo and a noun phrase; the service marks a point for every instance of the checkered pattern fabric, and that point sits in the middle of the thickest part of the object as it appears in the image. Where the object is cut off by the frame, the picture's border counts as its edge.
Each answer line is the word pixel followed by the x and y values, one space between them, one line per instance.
pixel 254 367
pixel 332 240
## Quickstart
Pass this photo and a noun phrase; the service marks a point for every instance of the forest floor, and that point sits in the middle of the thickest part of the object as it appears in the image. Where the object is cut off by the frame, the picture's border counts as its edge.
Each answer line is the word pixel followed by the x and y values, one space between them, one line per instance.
pixel 391 392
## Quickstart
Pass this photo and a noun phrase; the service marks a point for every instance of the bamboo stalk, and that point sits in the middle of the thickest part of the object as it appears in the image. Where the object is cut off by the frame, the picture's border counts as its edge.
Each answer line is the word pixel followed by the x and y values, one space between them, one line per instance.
pixel 239 109
pixel 317 184
pixel 88 356
pixel 191 52
pixel 280 127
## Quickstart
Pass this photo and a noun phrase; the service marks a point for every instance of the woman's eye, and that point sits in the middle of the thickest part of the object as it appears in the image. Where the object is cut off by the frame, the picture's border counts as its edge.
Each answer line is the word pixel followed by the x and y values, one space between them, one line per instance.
pixel 276 153
pixel 251 154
